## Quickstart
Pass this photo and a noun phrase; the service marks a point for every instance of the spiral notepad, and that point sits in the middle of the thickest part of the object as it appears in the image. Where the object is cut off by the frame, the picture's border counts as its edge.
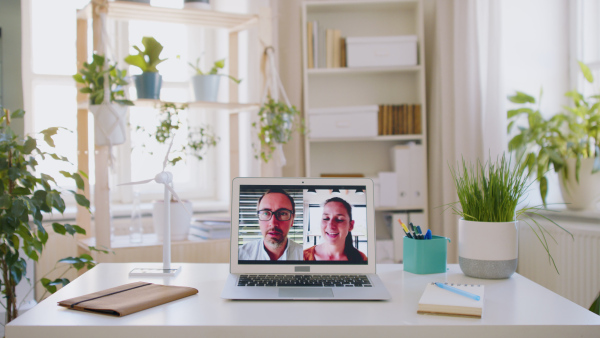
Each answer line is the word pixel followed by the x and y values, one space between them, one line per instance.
pixel 438 301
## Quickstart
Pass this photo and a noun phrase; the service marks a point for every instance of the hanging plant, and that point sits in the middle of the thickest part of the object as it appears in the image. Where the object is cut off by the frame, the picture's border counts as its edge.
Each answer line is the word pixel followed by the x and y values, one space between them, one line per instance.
pixel 92 76
pixel 199 139
pixel 277 122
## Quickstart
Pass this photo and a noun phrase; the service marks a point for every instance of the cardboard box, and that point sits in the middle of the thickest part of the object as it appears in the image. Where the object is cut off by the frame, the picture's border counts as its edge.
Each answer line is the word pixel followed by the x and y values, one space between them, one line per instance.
pixel 381 51
pixel 340 122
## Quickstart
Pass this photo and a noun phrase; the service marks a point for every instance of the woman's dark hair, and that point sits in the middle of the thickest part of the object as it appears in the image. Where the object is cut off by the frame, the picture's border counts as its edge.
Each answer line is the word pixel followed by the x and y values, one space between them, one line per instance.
pixel 351 252
pixel 278 191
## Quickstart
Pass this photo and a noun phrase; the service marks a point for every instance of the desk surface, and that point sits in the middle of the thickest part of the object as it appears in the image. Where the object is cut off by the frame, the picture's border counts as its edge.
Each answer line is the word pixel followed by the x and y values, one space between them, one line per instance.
pixel 513 307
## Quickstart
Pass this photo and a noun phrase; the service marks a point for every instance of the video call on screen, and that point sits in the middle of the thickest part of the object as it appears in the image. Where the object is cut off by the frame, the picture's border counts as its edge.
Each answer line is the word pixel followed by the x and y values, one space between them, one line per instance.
pixel 337 228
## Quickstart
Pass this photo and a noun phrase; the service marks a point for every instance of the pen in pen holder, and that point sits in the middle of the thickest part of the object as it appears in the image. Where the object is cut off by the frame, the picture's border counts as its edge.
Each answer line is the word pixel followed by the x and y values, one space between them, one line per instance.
pixel 425 256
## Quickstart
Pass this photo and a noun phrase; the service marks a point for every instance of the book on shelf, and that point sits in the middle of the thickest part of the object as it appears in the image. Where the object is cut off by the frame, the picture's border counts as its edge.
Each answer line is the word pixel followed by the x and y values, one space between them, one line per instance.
pixel 329 43
pixel 343 52
pixel 315 43
pixel 336 48
pixel 400 119
pixel 439 301
pixel 309 45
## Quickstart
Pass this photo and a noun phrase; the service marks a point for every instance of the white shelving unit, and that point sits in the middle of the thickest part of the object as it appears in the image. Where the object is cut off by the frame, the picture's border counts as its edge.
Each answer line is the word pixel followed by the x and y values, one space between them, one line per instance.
pixel 341 87
pixel 120 10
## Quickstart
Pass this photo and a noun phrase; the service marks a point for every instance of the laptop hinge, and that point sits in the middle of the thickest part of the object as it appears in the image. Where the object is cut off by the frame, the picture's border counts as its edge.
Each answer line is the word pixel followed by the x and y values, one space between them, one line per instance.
pixel 302 269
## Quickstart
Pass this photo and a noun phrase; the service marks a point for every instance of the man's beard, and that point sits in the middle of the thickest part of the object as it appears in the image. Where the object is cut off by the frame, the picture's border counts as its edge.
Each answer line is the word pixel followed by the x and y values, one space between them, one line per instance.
pixel 273 242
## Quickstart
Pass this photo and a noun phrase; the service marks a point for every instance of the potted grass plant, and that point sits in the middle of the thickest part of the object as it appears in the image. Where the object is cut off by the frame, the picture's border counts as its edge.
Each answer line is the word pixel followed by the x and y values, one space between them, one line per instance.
pixel 488 205
pixel 206 84
pixel 568 143
pixel 109 111
pixel 149 83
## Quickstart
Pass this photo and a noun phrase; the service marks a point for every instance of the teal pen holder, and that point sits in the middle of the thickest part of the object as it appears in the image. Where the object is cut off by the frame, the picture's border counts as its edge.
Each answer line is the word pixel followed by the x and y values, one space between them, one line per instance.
pixel 424 256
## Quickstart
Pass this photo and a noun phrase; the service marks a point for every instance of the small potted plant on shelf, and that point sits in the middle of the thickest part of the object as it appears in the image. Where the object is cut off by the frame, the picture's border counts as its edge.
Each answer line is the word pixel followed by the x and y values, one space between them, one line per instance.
pixel 206 84
pixel 147 84
pixel 488 196
pixel 25 196
pixel 568 142
pixel 277 121
pixel 109 111
pixel 199 140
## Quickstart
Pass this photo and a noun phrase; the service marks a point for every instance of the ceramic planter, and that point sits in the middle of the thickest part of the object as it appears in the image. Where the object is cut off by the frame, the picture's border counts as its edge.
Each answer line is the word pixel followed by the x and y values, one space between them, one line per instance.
pixel 180 219
pixel 148 85
pixel 110 125
pixel 206 87
pixel 488 249
pixel 585 194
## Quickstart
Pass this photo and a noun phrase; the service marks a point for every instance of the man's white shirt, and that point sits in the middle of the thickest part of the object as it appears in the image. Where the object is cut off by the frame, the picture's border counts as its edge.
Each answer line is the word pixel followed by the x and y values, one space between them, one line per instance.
pixel 256 251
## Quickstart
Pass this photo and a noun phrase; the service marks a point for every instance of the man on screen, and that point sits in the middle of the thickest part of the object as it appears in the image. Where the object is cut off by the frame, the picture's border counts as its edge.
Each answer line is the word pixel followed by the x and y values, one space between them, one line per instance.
pixel 275 210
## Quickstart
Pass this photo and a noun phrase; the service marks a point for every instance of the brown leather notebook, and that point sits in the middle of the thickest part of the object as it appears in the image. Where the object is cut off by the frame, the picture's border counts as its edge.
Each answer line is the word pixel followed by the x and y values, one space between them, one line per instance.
pixel 129 298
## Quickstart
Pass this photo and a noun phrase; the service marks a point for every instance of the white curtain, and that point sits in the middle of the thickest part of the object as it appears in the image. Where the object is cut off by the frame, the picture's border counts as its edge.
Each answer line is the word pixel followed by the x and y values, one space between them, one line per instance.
pixel 466 117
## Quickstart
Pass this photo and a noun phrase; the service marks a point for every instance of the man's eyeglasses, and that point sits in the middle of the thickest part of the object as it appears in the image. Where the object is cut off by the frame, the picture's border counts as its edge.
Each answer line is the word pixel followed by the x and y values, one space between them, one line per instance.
pixel 280 214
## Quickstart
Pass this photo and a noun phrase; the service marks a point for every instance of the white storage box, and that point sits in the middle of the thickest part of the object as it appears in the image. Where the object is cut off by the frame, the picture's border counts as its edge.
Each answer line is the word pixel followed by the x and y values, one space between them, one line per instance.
pixel 339 122
pixel 381 51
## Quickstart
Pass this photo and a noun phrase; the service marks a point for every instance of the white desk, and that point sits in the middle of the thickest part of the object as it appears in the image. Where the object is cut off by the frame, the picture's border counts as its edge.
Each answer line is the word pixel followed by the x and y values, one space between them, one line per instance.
pixel 515 307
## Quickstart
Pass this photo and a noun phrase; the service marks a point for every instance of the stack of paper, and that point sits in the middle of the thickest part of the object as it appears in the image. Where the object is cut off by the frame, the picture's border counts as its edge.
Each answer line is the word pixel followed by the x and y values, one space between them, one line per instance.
pixel 211 227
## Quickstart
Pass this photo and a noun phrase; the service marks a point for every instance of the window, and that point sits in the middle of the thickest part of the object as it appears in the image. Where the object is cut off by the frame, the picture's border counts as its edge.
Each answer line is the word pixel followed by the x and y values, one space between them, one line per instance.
pixel 50 95
pixel 587 40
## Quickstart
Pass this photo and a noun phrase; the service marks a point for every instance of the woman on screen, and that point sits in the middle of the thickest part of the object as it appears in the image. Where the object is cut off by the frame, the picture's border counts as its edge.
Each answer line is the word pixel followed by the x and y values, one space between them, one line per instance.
pixel 336 227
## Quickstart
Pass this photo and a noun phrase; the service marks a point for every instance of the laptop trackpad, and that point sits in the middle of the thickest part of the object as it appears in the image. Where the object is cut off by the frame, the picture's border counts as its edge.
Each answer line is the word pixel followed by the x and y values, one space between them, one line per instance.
pixel 305 293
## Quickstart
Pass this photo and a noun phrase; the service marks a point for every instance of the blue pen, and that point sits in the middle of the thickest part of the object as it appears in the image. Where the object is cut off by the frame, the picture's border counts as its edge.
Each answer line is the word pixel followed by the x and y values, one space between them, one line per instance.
pixel 428 234
pixel 458 291
pixel 419 230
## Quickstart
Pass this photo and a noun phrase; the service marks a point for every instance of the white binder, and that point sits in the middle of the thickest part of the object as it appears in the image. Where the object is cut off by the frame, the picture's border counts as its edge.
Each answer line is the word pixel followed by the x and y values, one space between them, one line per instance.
pixel 401 164
pixel 387 189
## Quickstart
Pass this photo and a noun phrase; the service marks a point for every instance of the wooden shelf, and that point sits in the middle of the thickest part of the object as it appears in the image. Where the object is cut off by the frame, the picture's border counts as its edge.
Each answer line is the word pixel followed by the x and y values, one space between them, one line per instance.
pixel 151 239
pixel 121 10
pixel 362 70
pixel 412 137
pixel 231 107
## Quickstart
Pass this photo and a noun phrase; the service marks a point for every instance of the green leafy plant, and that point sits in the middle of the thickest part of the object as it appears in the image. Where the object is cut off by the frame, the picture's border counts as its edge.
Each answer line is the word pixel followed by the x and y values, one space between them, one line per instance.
pixel 277 122
pixel 546 144
pixel 92 76
pixel 199 139
pixel 25 196
pixel 149 58
pixel 219 64
pixel 491 192
pixel 595 307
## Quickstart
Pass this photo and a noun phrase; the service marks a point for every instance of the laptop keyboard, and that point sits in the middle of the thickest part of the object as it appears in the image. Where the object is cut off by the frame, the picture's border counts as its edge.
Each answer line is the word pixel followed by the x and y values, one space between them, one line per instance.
pixel 305 280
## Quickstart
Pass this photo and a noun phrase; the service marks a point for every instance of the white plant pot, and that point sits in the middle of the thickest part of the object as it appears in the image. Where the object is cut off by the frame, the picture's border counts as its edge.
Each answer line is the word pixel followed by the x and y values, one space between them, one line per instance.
pixel 180 219
pixel 206 87
pixel 585 194
pixel 110 125
pixel 488 249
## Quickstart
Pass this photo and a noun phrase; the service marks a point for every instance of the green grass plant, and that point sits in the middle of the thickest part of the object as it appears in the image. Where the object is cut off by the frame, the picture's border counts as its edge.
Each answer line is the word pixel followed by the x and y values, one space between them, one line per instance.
pixel 491 192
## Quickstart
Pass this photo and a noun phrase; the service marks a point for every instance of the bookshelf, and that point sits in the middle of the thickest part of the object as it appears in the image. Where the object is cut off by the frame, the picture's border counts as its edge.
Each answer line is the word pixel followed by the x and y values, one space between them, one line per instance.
pixel 342 87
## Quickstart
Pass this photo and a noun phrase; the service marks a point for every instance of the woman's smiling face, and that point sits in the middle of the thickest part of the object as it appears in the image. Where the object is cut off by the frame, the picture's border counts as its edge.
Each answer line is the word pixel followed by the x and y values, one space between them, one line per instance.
pixel 335 223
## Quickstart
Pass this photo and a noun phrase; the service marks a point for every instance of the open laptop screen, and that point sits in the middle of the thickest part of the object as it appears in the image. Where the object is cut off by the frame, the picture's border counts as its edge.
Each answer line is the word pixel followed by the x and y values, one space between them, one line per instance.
pixel 311 225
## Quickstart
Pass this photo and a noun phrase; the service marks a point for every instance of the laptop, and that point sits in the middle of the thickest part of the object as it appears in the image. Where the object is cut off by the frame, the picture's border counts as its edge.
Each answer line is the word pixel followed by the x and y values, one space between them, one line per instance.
pixel 330 249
